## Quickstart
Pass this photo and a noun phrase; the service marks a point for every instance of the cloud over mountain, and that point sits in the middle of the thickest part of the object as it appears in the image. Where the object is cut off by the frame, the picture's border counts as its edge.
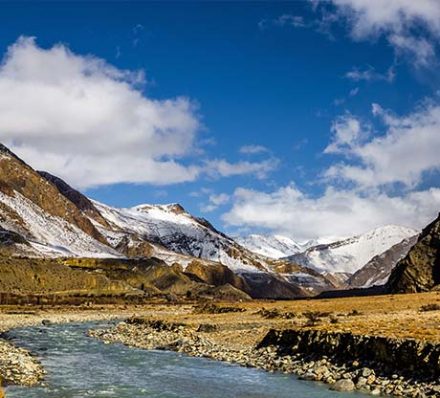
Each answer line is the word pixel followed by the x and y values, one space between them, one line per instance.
pixel 375 178
pixel 89 122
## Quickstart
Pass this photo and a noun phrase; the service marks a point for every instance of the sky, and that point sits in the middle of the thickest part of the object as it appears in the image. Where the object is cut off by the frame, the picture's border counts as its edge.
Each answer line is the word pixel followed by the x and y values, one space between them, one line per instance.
pixel 307 119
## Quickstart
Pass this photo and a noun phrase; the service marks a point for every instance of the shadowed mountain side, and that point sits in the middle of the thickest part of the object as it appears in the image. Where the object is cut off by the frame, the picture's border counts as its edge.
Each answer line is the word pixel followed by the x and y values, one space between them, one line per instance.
pixel 16 177
pixel 74 280
pixel 216 275
pixel 419 271
pixel 77 198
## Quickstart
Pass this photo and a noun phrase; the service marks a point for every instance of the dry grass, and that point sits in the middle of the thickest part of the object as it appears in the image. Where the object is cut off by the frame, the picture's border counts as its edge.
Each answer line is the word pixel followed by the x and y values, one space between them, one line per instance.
pixel 394 316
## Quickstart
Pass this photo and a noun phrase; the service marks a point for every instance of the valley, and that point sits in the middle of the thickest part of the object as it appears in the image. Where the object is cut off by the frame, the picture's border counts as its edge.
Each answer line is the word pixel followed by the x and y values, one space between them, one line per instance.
pixel 179 284
pixel 232 331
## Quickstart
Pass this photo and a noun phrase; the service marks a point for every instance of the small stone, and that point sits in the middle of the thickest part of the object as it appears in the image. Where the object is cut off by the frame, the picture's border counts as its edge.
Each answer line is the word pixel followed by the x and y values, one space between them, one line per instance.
pixel 366 372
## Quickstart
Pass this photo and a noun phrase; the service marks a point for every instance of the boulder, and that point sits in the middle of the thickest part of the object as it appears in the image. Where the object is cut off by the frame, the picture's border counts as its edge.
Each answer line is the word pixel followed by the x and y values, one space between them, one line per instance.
pixel 343 385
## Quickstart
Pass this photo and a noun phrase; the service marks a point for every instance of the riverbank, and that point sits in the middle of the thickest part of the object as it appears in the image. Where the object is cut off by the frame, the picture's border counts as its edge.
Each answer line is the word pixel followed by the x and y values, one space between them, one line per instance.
pixel 231 332
pixel 273 355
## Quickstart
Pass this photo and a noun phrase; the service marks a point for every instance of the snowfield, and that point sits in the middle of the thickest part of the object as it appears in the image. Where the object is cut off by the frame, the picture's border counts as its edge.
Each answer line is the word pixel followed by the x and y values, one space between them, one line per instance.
pixel 273 246
pixel 350 255
pixel 49 235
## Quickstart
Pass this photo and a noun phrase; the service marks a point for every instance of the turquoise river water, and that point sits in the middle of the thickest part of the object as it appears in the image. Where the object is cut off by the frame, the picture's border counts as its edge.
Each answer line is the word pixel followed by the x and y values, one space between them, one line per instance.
pixel 80 367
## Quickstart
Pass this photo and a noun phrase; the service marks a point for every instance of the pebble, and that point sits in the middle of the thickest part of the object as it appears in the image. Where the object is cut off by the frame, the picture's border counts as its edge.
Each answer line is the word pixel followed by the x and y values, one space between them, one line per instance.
pixel 17 366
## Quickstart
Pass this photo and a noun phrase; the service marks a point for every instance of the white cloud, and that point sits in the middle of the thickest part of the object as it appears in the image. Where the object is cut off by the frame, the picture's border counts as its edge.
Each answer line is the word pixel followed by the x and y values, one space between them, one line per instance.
pixel 223 168
pixel 87 121
pixel 370 74
pixel 396 157
pixel 373 17
pixel 421 48
pixel 296 21
pixel 253 149
pixel 346 133
pixel 398 21
pixel 215 201
pixel 334 214
pixel 353 92
pixel 219 199
pixel 409 147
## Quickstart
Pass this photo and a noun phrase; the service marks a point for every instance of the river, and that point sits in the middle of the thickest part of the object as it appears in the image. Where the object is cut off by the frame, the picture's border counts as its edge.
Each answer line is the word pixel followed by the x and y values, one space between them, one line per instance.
pixel 79 367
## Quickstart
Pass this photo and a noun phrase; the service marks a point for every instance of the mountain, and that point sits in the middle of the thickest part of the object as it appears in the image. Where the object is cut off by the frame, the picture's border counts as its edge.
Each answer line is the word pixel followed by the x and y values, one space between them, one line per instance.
pixel 42 216
pixel 350 255
pixel 49 223
pixel 377 271
pixel 273 246
pixel 419 271
pixel 175 235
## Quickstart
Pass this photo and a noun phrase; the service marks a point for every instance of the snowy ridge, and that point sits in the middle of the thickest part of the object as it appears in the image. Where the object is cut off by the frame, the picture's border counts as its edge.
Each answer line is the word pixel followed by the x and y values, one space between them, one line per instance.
pixel 273 246
pixel 178 231
pixel 49 235
pixel 352 254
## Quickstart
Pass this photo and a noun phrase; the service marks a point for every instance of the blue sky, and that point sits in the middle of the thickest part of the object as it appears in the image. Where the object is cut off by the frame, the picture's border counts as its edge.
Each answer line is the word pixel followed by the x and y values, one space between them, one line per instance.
pixel 257 116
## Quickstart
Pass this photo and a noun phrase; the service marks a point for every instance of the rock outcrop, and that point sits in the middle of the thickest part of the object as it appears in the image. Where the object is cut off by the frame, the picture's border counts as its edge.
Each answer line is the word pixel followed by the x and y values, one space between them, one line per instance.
pixel 216 274
pixel 411 357
pixel 419 271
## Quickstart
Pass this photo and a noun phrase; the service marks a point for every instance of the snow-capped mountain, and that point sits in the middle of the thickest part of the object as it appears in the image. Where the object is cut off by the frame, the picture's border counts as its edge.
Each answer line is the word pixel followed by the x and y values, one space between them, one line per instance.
pixel 377 271
pixel 175 229
pixel 47 221
pixel 41 215
pixel 350 255
pixel 273 246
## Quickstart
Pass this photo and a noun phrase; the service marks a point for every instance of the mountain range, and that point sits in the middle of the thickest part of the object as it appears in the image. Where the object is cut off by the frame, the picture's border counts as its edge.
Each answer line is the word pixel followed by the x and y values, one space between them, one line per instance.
pixel 41 216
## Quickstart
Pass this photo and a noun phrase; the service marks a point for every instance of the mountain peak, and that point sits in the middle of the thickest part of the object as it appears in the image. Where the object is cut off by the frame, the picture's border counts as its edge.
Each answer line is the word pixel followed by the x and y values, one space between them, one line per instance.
pixel 175 208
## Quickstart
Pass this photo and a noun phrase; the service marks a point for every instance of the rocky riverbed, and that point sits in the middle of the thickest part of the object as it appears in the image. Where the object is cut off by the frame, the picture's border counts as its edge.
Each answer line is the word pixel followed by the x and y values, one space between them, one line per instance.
pixel 196 341
pixel 17 366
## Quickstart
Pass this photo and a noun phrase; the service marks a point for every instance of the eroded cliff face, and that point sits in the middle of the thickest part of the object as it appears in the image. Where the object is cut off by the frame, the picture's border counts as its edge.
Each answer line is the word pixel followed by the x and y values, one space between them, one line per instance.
pixel 408 356
pixel 419 271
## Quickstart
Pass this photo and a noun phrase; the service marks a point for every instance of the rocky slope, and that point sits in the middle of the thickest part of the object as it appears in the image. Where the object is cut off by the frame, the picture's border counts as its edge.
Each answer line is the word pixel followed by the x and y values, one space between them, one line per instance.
pixel 350 255
pixel 419 271
pixel 32 207
pixel 377 271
